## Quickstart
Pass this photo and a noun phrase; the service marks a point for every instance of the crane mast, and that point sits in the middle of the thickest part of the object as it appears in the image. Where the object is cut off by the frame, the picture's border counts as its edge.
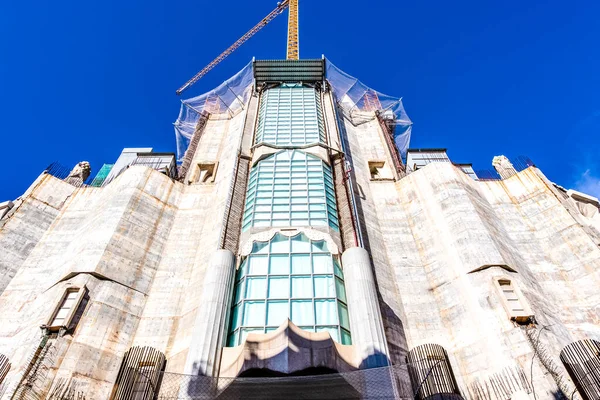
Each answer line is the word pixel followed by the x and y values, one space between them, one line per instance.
pixel 292 42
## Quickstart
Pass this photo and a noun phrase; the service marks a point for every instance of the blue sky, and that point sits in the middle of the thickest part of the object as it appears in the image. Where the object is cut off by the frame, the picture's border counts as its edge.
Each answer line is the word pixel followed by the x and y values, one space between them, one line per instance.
pixel 80 80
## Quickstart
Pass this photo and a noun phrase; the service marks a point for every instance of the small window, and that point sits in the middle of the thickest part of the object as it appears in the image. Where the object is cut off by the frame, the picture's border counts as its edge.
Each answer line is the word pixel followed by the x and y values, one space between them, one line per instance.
pixel 66 309
pixel 379 170
pixel 204 173
pixel 513 301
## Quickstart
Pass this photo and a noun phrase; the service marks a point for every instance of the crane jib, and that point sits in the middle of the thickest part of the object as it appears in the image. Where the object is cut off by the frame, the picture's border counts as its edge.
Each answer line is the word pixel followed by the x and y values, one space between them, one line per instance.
pixel 292 42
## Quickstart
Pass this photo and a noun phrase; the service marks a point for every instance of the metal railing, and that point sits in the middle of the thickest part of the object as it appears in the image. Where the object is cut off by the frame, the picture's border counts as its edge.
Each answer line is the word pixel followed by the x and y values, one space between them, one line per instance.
pixel 376 383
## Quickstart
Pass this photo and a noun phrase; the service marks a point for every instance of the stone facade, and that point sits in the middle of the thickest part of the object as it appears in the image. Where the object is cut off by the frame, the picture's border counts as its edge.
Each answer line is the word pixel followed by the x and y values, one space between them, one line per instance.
pixel 156 257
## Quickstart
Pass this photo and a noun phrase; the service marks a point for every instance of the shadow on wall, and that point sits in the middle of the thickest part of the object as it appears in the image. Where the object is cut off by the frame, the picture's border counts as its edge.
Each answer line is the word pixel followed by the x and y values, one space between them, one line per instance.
pixel 318 382
pixel 558 395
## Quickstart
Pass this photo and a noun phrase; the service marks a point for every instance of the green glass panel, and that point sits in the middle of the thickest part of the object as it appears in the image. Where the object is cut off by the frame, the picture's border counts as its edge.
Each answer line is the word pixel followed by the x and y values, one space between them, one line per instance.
pixel 302 312
pixel 346 338
pixel 257 265
pixel 254 313
pixel 322 264
pixel 302 287
pixel 256 287
pixel 301 264
pixel 333 331
pixel 324 286
pixel 325 312
pixel 277 312
pixel 340 289
pixel 279 287
pixel 343 316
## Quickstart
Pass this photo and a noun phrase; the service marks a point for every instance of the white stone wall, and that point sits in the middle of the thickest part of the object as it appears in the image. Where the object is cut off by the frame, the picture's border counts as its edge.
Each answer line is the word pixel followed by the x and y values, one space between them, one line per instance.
pixel 140 245
pixel 437 241
pixel 432 236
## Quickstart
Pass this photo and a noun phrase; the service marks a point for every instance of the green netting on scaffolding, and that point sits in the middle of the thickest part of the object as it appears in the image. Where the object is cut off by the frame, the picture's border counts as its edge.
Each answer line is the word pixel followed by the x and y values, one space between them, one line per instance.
pixel 229 98
pixel 358 103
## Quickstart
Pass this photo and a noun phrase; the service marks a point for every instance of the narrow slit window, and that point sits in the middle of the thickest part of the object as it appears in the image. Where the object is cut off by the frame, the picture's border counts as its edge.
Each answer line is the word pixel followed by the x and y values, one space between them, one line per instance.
pixel 513 301
pixel 65 311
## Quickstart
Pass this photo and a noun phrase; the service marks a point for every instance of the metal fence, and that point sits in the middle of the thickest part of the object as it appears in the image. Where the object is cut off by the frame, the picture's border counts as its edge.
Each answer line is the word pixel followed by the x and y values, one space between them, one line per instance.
pixel 430 371
pixel 377 383
pixel 61 172
pixel 582 361
pixel 519 163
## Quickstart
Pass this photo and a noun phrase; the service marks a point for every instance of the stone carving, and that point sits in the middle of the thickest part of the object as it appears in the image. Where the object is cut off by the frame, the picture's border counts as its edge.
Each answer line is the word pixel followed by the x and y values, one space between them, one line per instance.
pixel 310 233
pixel 79 173
pixel 504 167
pixel 287 350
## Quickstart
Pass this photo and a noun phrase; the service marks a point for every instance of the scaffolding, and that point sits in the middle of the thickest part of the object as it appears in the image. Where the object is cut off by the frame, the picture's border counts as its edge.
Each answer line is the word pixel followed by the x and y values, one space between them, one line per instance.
pixel 358 103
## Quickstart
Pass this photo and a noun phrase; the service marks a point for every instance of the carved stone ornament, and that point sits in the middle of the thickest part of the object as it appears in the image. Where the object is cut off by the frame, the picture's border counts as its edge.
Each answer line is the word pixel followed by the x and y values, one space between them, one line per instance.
pixel 266 236
pixel 80 172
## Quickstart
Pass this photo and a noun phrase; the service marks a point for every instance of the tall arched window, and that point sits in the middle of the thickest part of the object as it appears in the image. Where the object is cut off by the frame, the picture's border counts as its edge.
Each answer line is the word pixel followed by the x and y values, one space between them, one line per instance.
pixel 295 278
pixel 290 115
pixel 290 188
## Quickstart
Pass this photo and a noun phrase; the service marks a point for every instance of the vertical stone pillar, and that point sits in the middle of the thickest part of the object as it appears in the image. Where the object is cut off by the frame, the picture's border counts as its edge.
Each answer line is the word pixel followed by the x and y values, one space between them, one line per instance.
pixel 209 328
pixel 368 336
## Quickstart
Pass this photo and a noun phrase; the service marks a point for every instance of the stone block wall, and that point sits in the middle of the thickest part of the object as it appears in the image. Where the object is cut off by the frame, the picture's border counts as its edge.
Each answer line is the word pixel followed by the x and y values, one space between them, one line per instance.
pixel 439 239
pixel 140 245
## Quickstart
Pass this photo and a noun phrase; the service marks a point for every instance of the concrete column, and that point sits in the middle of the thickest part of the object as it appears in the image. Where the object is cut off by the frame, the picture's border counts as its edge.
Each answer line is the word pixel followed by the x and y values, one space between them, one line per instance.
pixel 368 336
pixel 209 329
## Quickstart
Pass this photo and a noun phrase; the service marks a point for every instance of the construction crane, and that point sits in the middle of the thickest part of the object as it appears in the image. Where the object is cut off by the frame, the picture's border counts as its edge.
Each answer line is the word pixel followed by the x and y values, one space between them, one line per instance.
pixel 292 42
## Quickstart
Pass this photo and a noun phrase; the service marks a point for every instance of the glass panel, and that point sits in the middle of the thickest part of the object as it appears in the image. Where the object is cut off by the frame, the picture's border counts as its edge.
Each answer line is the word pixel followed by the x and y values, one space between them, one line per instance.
pixel 324 286
pixel 257 265
pixel 338 269
pixel 239 291
pixel 254 313
pixel 236 320
pixel 333 331
pixel 278 311
pixel 322 263
pixel 302 287
pixel 279 287
pixel 62 313
pixel 301 264
pixel 325 311
pixel 302 312
pixel 256 288
pixel 346 338
pixel 343 315
pixel 260 247
pixel 246 331
pixel 243 269
pixel 280 244
pixel 340 289
pixel 233 339
pixel 300 244
pixel 280 264
pixel 319 246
